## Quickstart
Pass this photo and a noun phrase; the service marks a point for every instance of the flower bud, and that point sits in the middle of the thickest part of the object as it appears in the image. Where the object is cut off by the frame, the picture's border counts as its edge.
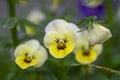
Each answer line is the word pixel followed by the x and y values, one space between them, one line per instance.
pixel 98 34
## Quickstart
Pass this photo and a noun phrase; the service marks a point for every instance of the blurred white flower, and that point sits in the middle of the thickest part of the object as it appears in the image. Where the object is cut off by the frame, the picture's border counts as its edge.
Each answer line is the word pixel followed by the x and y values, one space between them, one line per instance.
pixel 30 54
pixel 60 37
pixel 36 16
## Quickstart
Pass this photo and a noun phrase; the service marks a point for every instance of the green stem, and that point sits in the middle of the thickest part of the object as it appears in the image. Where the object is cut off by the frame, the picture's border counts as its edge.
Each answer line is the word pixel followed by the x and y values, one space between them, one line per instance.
pixel 37 74
pixel 108 6
pixel 110 19
pixel 81 22
pixel 87 19
pixel 61 71
pixel 12 13
pixel 106 69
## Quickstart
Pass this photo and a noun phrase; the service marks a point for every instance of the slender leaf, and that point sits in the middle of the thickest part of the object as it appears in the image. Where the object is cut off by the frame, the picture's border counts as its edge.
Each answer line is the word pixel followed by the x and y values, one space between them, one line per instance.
pixel 8 23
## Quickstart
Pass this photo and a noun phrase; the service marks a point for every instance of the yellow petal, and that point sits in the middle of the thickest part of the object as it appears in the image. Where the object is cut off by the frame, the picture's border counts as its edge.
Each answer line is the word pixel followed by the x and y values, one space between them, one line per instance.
pixel 61 53
pixel 85 59
pixel 22 64
pixel 30 30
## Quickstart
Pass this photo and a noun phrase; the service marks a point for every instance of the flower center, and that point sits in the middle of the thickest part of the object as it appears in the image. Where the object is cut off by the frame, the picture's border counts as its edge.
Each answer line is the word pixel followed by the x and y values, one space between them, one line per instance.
pixel 28 58
pixel 86 53
pixel 61 44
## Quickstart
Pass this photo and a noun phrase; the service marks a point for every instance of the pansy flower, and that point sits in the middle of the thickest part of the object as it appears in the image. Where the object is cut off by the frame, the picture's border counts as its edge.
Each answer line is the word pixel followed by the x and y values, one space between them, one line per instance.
pixel 60 37
pixel 84 53
pixel 30 54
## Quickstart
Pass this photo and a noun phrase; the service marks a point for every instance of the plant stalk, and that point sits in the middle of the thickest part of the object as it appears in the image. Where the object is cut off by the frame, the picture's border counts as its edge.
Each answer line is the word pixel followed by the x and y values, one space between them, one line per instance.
pixel 12 13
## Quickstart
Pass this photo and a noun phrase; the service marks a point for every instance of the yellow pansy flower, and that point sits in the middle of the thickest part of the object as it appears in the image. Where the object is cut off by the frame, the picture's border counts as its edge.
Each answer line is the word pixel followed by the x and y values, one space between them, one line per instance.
pixel 60 37
pixel 30 54
pixel 84 53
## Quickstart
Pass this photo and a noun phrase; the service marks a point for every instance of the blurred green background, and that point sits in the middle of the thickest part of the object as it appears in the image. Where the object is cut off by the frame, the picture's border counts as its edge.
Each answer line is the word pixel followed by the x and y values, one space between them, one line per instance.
pixel 72 11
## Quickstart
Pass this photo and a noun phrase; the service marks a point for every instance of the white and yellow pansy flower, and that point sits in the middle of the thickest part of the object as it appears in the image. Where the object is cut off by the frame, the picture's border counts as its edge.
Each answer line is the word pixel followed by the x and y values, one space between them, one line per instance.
pixel 84 53
pixel 98 34
pixel 60 37
pixel 30 54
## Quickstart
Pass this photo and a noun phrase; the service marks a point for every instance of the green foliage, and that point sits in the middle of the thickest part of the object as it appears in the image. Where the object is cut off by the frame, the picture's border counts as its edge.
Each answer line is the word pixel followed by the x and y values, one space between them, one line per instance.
pixel 8 23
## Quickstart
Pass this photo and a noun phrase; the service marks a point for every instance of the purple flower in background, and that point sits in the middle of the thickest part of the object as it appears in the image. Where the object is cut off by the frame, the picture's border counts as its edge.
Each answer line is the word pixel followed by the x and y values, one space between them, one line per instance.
pixel 91 8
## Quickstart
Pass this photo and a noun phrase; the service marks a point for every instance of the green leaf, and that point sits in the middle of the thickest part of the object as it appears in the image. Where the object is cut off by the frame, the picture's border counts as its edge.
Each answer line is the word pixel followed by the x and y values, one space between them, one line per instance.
pixel 8 23
pixel 22 26
pixel 26 22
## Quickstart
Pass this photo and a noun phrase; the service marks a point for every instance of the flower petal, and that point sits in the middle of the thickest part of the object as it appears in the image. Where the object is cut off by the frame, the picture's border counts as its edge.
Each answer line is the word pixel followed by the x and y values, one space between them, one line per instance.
pixel 21 49
pixel 40 56
pixel 57 25
pixel 20 62
pixel 85 59
pixel 33 44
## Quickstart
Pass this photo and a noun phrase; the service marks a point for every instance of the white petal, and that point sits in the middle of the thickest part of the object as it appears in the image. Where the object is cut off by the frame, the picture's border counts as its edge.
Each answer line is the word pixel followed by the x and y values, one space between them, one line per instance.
pixel 73 27
pixel 60 25
pixel 50 38
pixel 33 44
pixel 98 48
pixel 27 47
pixel 56 25
pixel 42 56
pixel 81 41
pixel 21 49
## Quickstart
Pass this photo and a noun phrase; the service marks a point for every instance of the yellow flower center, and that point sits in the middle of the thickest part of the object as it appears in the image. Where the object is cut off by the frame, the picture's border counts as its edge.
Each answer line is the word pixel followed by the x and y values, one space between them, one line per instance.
pixel 61 44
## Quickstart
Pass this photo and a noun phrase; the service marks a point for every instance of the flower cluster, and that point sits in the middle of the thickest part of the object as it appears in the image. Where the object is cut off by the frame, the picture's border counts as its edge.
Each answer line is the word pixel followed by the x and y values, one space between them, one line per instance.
pixel 61 38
